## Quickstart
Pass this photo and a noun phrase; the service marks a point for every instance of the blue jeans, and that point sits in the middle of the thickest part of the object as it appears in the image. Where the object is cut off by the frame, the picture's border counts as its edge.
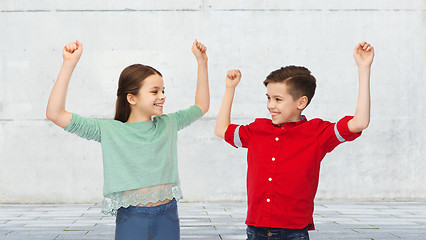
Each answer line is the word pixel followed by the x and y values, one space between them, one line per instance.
pixel 153 223
pixel 264 233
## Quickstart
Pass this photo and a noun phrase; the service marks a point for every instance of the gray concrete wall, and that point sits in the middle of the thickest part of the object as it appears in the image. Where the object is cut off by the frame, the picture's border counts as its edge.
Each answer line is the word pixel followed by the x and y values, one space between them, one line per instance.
pixel 41 163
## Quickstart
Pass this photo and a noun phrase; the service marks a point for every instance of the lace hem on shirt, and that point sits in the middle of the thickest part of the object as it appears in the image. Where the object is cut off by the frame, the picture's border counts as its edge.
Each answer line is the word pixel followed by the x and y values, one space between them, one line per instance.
pixel 113 202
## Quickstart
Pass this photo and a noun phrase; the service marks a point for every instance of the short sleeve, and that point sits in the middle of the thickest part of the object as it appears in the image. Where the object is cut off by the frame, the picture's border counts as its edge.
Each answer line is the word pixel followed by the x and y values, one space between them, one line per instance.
pixel 185 117
pixel 87 128
pixel 332 134
pixel 239 135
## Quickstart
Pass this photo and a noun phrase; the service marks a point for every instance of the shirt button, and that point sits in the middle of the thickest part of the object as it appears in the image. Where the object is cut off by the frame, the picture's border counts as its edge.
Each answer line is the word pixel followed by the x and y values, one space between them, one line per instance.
pixel 270 179
pixel 276 139
pixel 268 200
pixel 273 159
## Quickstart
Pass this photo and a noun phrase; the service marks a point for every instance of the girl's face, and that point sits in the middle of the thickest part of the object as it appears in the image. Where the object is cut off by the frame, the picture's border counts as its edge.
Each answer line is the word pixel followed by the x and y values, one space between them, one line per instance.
pixel 150 99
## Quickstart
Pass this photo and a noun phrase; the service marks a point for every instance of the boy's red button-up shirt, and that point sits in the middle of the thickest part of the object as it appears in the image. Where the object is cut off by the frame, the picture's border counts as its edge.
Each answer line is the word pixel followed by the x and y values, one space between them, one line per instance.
pixel 283 167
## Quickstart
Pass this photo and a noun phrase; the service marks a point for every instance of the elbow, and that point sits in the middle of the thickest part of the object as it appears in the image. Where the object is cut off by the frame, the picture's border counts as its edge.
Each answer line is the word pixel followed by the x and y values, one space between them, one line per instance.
pixel 50 115
pixel 58 117
pixel 204 107
pixel 219 133
pixel 363 127
pixel 359 127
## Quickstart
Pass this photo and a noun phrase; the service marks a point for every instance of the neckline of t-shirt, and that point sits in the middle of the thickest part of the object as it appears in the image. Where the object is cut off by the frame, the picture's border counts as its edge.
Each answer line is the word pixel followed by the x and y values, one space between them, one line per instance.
pixel 148 123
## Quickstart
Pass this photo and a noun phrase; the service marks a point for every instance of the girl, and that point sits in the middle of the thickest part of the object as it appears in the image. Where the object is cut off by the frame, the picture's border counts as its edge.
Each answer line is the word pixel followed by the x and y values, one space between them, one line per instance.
pixel 141 182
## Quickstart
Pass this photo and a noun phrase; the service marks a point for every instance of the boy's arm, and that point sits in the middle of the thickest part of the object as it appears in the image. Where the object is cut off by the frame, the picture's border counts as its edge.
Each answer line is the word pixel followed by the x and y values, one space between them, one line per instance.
pixel 202 94
pixel 363 55
pixel 233 77
pixel 55 110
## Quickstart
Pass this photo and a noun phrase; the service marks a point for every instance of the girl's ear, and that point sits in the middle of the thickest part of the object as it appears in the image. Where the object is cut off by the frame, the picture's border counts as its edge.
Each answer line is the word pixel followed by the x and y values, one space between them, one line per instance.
pixel 302 102
pixel 131 99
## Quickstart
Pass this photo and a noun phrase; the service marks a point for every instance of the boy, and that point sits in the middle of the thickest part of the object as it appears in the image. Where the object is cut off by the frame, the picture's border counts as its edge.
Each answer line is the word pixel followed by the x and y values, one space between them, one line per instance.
pixel 285 152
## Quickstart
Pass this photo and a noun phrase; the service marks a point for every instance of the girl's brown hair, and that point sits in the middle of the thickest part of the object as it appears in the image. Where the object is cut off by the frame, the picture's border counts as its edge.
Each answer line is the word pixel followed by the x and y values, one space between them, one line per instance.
pixel 130 82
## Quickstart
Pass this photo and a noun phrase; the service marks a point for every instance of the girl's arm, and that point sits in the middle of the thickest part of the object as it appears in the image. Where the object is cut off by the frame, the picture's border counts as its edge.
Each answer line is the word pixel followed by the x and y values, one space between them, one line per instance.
pixel 55 110
pixel 202 94
pixel 233 77
pixel 363 54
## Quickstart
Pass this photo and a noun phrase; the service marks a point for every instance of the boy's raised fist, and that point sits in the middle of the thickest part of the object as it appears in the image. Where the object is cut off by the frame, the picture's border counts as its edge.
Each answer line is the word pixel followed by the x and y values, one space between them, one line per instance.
pixel 72 51
pixel 233 77
pixel 199 50
pixel 363 54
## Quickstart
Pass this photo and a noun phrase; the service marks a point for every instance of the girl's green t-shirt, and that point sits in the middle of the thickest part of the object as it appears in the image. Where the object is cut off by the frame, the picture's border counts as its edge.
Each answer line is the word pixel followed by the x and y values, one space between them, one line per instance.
pixel 140 154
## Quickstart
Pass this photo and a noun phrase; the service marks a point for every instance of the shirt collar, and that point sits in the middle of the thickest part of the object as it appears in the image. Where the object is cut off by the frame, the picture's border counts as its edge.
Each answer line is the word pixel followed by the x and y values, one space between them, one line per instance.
pixel 293 124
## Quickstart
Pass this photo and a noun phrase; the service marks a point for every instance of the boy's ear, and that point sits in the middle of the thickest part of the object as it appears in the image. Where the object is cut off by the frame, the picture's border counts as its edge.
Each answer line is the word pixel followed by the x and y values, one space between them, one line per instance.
pixel 131 99
pixel 302 102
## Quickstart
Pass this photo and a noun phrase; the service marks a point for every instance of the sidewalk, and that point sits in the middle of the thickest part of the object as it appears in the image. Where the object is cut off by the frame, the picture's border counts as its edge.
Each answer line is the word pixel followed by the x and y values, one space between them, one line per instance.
pixel 334 220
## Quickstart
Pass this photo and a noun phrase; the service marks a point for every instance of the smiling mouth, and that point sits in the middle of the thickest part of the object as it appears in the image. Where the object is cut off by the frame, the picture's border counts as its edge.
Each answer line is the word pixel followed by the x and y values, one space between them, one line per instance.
pixel 274 114
pixel 159 104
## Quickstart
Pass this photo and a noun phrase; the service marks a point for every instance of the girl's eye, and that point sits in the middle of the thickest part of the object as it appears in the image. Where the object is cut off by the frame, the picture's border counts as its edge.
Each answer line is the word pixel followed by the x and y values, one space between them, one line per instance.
pixel 164 91
pixel 154 92
pixel 278 99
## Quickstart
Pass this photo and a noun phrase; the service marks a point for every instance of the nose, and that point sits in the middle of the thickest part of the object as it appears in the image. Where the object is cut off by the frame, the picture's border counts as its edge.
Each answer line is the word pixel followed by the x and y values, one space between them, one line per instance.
pixel 270 105
pixel 162 96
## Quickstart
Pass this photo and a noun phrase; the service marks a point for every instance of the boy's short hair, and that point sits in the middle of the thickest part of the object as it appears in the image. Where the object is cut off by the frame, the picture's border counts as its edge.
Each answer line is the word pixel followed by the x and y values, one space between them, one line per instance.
pixel 299 81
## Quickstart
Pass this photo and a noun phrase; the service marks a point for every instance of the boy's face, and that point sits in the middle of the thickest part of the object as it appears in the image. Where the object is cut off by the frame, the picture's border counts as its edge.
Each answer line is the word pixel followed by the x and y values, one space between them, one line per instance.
pixel 281 105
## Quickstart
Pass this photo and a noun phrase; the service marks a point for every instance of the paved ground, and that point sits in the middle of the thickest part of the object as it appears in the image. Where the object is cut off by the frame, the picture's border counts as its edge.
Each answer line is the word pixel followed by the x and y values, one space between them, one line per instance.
pixel 334 220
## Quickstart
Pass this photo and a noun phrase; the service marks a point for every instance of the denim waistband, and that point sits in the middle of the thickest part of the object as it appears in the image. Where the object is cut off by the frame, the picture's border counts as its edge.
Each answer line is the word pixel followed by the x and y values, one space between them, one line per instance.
pixel 150 210
pixel 267 229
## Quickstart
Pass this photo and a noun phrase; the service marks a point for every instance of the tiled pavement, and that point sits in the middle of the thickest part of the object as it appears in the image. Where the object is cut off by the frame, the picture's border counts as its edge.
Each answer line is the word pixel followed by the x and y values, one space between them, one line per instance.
pixel 224 220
